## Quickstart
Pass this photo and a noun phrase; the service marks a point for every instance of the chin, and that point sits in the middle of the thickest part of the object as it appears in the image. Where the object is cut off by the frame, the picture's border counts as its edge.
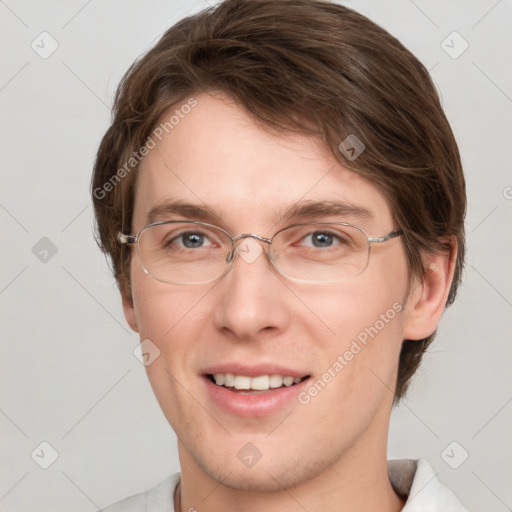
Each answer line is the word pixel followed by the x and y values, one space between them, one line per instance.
pixel 271 475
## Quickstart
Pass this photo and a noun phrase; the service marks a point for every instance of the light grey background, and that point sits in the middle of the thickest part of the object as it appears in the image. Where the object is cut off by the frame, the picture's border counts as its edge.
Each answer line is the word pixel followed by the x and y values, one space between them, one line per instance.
pixel 67 369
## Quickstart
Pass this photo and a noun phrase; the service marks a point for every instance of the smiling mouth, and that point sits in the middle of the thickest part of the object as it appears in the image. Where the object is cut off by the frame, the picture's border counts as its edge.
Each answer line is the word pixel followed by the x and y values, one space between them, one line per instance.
pixel 246 385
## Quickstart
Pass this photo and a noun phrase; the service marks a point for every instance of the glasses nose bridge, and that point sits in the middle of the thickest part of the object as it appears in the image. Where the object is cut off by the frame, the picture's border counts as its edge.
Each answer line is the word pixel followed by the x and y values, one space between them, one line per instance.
pixel 243 236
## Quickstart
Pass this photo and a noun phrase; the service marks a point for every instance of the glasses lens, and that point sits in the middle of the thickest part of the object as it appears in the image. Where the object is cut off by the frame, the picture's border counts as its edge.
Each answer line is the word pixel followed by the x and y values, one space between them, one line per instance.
pixel 184 252
pixel 320 252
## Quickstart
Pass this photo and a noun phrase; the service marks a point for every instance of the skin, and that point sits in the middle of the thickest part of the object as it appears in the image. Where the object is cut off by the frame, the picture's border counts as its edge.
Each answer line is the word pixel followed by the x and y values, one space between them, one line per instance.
pixel 331 453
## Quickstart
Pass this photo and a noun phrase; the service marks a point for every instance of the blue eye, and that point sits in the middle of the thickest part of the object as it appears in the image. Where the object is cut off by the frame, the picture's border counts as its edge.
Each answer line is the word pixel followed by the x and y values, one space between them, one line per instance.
pixel 192 240
pixel 188 240
pixel 322 239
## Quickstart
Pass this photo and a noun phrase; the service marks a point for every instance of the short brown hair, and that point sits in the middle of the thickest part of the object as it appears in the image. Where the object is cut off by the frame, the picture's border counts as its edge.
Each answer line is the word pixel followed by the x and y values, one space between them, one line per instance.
pixel 309 67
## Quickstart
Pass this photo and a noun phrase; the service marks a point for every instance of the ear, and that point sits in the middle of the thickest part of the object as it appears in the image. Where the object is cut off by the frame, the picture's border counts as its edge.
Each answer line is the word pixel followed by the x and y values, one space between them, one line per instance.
pixel 129 311
pixel 428 295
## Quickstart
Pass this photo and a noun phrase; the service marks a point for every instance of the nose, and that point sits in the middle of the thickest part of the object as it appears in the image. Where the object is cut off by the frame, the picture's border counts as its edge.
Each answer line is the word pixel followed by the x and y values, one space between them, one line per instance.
pixel 252 301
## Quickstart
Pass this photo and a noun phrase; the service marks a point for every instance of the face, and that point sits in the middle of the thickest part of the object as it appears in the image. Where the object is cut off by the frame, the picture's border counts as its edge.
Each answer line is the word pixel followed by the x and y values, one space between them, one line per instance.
pixel 342 339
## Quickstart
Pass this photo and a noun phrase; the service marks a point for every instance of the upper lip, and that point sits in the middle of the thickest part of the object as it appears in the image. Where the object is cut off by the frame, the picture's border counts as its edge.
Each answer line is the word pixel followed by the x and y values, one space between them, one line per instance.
pixel 253 370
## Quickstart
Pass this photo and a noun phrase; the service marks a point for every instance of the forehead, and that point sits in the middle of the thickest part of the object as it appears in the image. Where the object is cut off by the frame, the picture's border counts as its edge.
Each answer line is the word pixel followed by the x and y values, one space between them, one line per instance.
pixel 216 158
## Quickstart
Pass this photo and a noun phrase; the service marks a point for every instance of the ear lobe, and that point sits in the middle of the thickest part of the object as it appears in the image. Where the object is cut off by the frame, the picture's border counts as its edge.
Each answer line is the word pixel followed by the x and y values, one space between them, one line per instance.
pixel 129 312
pixel 427 299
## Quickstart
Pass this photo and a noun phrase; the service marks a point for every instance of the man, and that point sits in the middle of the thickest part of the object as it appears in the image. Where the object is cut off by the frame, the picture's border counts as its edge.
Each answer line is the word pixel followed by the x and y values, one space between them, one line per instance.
pixel 282 200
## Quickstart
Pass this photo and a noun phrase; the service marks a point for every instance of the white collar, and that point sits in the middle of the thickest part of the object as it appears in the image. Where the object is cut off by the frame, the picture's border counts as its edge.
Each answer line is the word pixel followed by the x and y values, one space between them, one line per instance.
pixel 416 481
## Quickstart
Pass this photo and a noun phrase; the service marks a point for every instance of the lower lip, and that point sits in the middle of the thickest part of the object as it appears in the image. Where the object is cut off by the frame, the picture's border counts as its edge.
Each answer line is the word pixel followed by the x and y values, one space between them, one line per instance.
pixel 253 406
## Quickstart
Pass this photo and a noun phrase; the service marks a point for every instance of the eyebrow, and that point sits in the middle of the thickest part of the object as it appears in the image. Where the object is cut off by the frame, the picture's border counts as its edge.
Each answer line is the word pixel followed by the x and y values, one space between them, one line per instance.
pixel 163 210
pixel 299 211
pixel 309 209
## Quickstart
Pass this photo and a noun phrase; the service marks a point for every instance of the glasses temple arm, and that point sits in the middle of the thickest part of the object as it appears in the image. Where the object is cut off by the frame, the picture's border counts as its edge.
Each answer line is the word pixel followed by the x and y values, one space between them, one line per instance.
pixel 385 238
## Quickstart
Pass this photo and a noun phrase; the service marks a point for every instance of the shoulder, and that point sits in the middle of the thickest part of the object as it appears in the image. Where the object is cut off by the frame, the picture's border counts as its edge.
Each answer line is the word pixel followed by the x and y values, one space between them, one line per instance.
pixel 156 499
pixel 416 481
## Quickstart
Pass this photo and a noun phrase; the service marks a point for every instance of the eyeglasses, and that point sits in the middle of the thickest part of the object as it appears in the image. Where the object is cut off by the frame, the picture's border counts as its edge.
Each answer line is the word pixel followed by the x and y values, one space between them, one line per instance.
pixel 193 252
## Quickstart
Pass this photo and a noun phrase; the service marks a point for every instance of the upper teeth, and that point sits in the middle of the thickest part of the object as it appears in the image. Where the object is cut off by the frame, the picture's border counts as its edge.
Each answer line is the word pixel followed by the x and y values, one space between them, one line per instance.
pixel 261 382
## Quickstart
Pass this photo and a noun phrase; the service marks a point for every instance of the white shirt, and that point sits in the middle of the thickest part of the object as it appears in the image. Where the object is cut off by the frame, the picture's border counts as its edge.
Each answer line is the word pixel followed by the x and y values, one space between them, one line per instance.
pixel 411 479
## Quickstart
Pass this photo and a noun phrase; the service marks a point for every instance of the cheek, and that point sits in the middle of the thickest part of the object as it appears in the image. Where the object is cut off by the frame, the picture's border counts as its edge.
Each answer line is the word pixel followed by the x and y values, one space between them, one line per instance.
pixel 168 320
pixel 174 318
pixel 171 318
pixel 163 309
pixel 359 365
pixel 347 311
pixel 365 319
